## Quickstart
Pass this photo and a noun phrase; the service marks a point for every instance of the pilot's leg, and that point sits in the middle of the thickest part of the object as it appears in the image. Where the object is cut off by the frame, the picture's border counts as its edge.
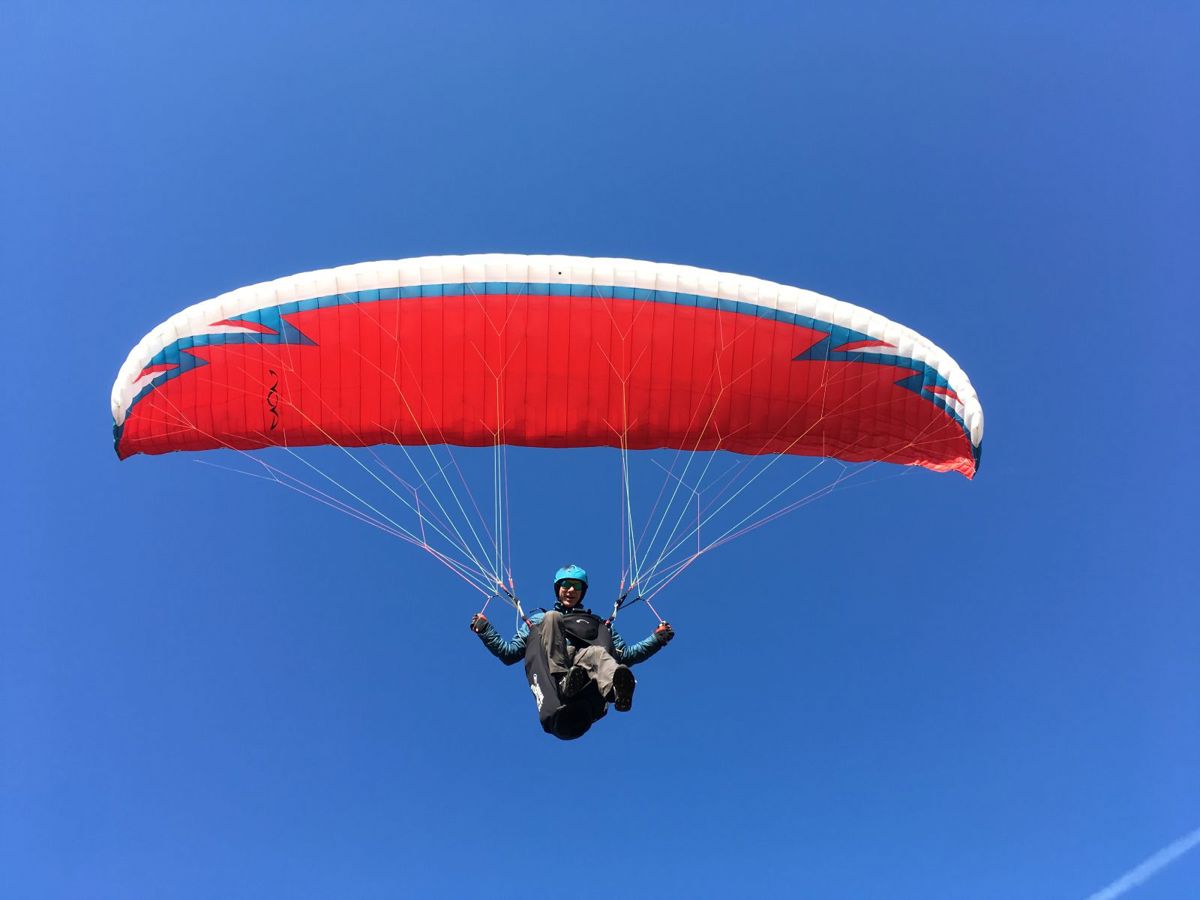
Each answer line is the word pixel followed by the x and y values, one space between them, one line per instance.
pixel 554 643
pixel 600 666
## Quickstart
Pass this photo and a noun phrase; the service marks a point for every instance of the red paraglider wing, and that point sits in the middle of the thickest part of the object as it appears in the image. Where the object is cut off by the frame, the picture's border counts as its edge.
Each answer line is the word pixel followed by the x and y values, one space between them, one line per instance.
pixel 546 352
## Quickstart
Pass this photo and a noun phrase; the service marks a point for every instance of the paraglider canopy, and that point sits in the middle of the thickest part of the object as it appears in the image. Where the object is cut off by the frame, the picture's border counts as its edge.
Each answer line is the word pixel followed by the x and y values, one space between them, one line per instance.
pixel 547 351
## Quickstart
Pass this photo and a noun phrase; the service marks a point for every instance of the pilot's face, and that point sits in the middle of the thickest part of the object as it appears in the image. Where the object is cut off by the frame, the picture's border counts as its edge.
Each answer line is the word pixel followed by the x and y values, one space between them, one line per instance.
pixel 570 592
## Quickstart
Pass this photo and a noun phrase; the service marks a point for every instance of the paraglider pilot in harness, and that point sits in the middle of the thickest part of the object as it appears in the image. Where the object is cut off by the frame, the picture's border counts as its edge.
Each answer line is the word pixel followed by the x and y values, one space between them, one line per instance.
pixel 576 664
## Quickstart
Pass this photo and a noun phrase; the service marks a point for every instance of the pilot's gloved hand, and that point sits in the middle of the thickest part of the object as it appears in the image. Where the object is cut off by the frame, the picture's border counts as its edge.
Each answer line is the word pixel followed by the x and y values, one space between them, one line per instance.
pixel 479 623
pixel 664 632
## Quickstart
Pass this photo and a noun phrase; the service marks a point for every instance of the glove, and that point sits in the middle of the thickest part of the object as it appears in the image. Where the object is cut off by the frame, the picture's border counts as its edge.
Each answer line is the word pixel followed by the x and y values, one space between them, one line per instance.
pixel 664 632
pixel 479 623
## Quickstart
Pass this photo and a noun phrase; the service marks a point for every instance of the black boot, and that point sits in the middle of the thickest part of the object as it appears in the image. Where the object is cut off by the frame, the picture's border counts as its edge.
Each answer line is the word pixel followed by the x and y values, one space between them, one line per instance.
pixel 574 681
pixel 622 689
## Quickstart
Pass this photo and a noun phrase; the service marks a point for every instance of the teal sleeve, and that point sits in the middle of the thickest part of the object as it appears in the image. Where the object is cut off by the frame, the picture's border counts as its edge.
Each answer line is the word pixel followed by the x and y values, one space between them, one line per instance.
pixel 511 651
pixel 639 652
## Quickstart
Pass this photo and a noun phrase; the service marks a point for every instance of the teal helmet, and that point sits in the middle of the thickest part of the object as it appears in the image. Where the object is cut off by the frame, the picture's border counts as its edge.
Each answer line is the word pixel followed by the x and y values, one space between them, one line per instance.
pixel 571 571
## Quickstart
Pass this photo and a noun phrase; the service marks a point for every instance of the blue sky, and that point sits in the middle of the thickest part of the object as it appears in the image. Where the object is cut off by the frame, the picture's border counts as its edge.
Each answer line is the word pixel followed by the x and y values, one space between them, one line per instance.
pixel 926 687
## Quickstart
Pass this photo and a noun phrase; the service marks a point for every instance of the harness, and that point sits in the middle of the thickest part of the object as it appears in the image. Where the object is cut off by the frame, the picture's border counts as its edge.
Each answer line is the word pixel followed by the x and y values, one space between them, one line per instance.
pixel 566 719
pixel 585 629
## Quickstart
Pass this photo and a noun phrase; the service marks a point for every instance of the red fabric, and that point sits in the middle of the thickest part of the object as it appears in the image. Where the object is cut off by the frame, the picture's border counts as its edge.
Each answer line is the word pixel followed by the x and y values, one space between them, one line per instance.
pixel 546 372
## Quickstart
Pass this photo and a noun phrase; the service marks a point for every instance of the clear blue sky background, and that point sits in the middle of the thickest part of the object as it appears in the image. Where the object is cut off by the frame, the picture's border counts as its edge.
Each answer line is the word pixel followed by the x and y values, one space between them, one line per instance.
pixel 926 688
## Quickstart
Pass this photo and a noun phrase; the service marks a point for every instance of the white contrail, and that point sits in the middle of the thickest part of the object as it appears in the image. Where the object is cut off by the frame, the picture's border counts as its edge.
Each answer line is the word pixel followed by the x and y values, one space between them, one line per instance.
pixel 1149 868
